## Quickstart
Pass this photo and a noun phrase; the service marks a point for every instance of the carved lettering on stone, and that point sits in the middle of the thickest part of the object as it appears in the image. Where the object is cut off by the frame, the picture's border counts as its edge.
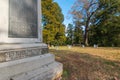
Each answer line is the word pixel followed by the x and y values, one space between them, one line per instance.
pixel 21 53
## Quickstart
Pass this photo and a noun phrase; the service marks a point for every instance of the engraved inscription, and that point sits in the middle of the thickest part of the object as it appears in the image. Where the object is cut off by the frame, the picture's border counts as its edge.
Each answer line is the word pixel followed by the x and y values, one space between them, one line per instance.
pixel 23 19
pixel 21 53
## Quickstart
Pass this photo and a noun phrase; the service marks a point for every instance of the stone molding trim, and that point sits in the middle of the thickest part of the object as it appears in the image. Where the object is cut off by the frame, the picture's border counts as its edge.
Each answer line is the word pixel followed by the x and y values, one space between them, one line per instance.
pixel 15 54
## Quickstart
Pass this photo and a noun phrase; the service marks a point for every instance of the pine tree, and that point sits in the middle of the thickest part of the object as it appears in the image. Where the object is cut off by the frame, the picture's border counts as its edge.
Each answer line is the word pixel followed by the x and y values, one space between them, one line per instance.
pixel 70 34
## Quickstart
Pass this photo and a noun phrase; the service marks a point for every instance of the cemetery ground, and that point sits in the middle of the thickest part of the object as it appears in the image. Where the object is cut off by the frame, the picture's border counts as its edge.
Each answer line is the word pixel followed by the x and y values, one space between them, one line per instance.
pixel 89 63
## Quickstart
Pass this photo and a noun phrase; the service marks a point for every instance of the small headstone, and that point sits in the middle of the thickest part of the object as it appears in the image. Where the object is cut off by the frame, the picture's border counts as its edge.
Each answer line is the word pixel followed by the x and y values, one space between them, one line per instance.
pixel 57 47
pixel 112 45
pixel 95 46
pixel 69 46
pixel 83 46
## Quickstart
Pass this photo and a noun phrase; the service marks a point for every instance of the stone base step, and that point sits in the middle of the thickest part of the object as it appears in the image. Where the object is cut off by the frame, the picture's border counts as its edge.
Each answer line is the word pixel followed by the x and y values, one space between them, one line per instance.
pixel 42 67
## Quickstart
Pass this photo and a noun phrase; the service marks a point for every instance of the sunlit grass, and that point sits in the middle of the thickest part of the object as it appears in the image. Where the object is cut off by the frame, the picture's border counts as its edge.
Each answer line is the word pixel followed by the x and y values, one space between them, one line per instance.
pixel 107 53
pixel 89 63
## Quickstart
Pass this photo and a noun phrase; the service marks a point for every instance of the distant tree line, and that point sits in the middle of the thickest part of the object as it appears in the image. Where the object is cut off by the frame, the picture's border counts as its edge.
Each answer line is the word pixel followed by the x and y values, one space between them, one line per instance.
pixel 94 22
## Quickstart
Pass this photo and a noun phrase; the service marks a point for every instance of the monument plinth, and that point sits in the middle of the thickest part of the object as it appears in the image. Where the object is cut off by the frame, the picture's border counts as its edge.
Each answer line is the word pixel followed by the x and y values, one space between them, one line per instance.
pixel 23 55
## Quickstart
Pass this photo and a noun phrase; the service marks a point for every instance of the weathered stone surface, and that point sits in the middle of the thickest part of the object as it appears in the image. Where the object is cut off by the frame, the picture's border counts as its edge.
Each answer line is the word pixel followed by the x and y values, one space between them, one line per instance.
pixel 20 53
pixel 23 56
pixel 20 21
pixel 35 68
pixel 23 19
pixel 19 46
pixel 47 72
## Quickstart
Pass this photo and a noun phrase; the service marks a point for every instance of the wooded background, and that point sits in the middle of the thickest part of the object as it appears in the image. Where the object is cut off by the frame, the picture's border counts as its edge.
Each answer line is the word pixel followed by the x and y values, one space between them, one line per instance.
pixel 94 22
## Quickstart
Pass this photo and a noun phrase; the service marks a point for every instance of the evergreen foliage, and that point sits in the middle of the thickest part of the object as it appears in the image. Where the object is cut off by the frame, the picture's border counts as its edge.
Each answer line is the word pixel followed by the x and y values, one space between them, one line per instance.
pixel 74 34
pixel 106 30
pixel 70 32
pixel 78 33
pixel 52 19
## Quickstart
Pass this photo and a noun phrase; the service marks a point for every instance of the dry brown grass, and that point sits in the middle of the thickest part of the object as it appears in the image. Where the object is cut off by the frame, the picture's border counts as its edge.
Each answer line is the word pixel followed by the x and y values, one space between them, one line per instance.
pixel 89 63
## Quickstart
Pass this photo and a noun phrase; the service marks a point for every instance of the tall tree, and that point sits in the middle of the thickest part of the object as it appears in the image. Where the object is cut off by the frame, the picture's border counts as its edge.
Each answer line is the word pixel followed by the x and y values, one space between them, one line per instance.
pixel 70 34
pixel 78 33
pixel 74 33
pixel 106 23
pixel 84 10
pixel 52 19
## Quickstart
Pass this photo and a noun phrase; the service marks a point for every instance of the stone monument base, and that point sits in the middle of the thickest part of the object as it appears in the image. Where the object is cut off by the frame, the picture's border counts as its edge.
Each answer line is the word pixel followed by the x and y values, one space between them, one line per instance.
pixel 36 67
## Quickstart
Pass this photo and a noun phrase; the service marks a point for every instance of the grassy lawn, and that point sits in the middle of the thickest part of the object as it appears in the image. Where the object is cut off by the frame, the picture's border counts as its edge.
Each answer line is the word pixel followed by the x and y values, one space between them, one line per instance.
pixel 89 63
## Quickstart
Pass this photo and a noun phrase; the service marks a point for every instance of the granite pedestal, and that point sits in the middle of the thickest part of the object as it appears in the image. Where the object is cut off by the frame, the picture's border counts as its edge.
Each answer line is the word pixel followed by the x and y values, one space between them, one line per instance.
pixel 23 55
pixel 28 62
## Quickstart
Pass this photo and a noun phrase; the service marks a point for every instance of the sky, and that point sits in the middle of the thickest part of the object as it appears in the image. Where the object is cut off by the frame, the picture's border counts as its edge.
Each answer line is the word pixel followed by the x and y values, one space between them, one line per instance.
pixel 65 6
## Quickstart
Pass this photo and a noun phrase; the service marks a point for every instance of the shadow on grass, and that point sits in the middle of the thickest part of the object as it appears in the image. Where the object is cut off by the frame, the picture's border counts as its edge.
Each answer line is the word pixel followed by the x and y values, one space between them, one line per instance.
pixel 83 66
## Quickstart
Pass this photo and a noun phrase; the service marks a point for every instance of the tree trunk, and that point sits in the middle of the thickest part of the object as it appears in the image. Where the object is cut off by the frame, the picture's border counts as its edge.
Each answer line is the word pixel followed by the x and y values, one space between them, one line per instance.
pixel 86 35
pixel 86 38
